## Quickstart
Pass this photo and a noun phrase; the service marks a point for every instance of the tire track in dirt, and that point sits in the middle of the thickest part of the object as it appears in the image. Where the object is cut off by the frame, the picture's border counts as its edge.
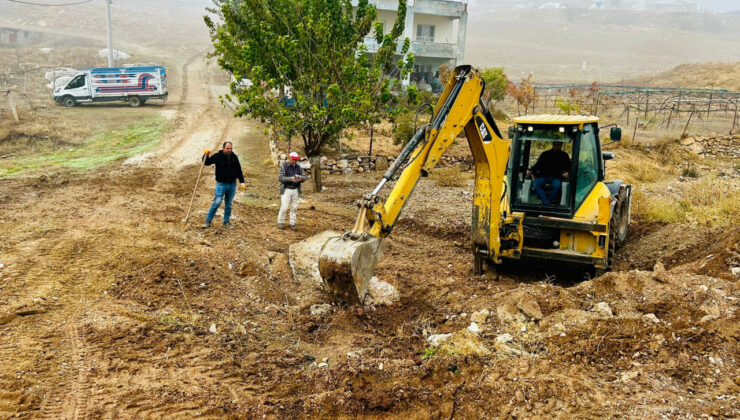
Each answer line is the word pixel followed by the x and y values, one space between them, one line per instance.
pixel 200 122
pixel 71 400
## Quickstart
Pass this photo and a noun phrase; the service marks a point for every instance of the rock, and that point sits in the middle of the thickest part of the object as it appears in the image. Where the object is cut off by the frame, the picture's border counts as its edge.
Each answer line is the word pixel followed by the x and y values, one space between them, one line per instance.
pixel 320 309
pixel 381 293
pixel 651 318
pixel 473 328
pixel 308 358
pixel 464 343
pixel 628 376
pixel 480 317
pixel 325 360
pixel 342 163
pixel 303 258
pixel 213 329
pixel 707 318
pixel 504 338
pixel 437 339
pixel 734 270
pixel 659 273
pixel 529 307
pixel 381 163
pixel 380 366
pixel 508 313
pixel 323 365
pixel 603 309
pixel 504 345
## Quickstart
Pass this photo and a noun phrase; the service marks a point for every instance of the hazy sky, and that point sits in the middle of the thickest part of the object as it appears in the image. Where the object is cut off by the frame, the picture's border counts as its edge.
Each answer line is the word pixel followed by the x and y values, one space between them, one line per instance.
pixel 717 5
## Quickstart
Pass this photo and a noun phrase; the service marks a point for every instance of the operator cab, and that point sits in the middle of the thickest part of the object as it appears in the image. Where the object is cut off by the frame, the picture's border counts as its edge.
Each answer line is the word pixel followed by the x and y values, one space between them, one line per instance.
pixel 555 162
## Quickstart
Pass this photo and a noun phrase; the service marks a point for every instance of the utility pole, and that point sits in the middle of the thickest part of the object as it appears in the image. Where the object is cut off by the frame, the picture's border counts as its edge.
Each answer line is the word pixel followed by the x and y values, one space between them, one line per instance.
pixel 110 34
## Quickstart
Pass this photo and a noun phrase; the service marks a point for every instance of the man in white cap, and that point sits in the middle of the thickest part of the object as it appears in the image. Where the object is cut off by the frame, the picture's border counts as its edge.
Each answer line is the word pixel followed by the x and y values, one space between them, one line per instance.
pixel 290 176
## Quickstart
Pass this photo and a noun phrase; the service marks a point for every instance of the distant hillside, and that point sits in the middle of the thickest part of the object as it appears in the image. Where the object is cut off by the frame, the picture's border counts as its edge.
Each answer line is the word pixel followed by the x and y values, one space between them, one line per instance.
pixel 707 75
pixel 569 45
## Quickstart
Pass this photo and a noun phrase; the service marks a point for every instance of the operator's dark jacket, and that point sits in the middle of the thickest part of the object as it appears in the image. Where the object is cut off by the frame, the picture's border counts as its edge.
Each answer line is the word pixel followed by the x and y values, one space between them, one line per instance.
pixel 552 163
pixel 228 168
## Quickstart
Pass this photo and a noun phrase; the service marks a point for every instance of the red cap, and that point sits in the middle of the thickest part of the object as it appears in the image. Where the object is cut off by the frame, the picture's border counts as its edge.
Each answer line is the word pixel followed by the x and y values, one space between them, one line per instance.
pixel 295 156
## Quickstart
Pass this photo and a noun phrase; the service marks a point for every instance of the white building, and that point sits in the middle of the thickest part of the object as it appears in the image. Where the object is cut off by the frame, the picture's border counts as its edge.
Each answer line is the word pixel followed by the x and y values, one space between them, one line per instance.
pixel 436 29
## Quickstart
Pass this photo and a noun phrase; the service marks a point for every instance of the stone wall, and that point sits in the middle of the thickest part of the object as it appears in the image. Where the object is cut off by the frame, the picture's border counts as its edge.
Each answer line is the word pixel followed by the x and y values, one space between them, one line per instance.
pixel 347 164
pixel 728 146
pixel 350 164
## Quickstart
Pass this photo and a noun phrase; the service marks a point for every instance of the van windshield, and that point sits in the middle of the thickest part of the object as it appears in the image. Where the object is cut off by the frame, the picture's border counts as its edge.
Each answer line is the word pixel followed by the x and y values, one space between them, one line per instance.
pixel 77 82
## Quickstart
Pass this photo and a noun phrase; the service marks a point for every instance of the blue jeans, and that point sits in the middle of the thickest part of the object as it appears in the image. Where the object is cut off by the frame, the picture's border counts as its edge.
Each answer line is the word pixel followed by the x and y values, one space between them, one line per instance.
pixel 223 192
pixel 540 182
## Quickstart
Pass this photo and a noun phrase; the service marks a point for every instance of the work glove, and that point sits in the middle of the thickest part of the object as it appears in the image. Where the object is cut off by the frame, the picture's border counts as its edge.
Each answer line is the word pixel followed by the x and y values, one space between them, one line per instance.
pixel 242 187
pixel 207 152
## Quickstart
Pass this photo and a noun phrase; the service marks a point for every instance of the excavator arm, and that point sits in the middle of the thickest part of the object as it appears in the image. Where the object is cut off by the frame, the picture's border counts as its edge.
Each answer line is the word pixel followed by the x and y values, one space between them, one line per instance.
pixel 347 263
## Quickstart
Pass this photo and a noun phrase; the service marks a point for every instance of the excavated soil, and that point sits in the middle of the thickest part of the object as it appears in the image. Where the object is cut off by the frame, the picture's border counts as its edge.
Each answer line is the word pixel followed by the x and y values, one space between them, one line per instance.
pixel 111 308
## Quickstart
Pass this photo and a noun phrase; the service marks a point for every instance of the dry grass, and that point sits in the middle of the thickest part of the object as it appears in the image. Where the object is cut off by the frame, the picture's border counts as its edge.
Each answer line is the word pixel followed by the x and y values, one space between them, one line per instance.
pixel 450 177
pixel 656 208
pixel 708 201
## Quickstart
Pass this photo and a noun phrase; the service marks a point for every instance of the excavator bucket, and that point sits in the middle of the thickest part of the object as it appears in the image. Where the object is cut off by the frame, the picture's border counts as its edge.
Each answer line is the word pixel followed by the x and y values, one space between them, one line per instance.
pixel 346 265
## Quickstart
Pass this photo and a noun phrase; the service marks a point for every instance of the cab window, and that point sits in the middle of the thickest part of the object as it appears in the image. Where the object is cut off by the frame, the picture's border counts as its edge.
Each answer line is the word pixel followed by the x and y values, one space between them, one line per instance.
pixel 77 82
pixel 588 169
pixel 543 170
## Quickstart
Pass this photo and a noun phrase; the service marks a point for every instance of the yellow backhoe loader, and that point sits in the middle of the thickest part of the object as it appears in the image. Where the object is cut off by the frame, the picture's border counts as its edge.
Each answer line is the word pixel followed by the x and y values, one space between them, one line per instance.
pixel 541 194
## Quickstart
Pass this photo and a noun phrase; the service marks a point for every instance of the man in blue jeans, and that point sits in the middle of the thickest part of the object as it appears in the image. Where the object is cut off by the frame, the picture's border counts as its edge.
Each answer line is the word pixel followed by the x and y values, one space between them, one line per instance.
pixel 228 170
pixel 551 168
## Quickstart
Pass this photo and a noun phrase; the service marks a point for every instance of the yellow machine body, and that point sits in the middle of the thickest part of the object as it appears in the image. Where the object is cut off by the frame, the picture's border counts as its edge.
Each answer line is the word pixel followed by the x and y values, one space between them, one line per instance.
pixel 577 231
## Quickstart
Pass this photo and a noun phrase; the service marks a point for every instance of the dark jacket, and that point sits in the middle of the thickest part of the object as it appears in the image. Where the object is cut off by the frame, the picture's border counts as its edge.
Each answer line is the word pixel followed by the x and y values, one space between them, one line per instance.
pixel 552 163
pixel 286 172
pixel 228 168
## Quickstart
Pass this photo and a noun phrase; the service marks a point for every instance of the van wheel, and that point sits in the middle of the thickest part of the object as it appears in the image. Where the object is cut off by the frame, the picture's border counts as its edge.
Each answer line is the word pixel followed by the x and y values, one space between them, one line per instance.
pixel 69 101
pixel 135 101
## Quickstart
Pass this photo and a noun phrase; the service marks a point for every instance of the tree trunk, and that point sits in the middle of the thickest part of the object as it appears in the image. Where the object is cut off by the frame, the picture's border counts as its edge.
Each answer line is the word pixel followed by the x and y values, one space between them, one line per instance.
pixel 316 172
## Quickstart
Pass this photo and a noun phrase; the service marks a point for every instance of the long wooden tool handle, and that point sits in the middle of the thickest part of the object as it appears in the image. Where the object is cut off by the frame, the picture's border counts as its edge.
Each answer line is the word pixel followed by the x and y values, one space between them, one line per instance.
pixel 192 198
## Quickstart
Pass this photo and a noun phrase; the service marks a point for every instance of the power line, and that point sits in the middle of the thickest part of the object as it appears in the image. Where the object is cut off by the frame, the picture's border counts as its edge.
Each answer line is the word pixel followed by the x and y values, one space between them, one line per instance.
pixel 46 4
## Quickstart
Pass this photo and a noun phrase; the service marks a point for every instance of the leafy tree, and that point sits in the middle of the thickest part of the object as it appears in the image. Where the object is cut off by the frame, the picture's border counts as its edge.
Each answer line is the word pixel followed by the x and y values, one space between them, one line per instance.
pixel 525 93
pixel 496 83
pixel 312 50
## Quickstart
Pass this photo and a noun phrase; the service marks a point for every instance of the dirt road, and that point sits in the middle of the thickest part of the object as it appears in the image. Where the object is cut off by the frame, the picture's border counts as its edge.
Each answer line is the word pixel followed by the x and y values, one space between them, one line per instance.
pixel 110 309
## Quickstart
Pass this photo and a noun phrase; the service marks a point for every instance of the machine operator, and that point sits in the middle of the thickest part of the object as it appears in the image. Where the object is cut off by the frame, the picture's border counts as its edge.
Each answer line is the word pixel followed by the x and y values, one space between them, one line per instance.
pixel 551 168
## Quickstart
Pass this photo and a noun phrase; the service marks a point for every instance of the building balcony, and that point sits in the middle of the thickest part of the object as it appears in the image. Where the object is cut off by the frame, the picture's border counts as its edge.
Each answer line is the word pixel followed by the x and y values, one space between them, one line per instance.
pixel 434 49
pixel 421 49
pixel 450 8
pixel 440 7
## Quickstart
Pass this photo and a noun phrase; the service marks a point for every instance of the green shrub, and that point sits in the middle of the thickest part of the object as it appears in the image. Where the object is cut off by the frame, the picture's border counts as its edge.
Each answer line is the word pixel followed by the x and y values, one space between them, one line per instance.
pixel 403 128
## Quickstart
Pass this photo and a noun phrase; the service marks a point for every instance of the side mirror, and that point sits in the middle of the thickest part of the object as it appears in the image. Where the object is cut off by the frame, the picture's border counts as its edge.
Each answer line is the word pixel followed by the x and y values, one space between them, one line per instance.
pixel 615 134
pixel 607 155
pixel 512 132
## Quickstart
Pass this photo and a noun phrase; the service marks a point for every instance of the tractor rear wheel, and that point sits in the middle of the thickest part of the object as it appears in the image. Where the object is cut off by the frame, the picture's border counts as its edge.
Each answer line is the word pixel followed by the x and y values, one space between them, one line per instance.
pixel 623 207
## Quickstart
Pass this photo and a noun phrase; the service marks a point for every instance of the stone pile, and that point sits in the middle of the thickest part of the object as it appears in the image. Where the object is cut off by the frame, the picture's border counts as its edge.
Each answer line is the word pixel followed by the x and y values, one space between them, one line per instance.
pixel 714 146
pixel 347 165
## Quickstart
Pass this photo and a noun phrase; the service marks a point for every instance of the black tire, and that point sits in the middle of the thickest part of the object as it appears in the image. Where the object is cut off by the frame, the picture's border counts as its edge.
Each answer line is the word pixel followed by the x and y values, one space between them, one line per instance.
pixel 479 265
pixel 615 225
pixel 624 209
pixel 69 101
pixel 135 101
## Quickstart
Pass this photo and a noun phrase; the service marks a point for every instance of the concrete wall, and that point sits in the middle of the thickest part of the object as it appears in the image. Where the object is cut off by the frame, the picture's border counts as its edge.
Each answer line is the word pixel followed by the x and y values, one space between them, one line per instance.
pixel 443 27
pixel 388 17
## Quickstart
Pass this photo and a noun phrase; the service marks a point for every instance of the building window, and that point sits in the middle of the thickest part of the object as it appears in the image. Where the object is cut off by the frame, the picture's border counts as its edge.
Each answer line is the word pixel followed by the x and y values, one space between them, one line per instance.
pixel 425 33
pixel 382 25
